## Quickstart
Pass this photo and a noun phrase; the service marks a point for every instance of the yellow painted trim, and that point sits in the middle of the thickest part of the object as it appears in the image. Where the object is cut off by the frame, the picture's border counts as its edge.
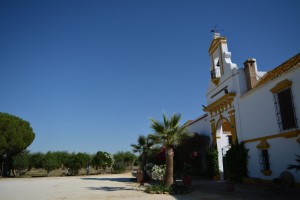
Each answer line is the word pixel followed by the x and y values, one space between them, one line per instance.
pixel 263 145
pixel 221 58
pixel 267 172
pixel 223 118
pixel 289 134
pixel 281 85
pixel 216 81
pixel 215 43
pixel 231 112
pixel 287 66
pixel 226 99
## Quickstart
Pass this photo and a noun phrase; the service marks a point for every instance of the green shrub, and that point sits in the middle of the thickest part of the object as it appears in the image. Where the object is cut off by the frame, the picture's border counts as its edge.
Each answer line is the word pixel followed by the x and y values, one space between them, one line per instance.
pixel 160 188
pixel 236 162
pixel 119 167
pixel 212 161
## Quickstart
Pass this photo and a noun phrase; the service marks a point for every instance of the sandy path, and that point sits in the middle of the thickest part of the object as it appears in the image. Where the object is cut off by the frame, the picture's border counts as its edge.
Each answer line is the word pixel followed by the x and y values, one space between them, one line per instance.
pixel 117 186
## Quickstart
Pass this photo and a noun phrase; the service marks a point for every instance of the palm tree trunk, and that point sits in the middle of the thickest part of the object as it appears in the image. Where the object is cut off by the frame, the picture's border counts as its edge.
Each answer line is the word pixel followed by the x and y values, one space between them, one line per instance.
pixel 169 167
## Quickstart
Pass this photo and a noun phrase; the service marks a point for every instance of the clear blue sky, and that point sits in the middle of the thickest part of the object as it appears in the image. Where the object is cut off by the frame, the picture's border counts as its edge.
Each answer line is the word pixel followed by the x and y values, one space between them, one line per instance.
pixel 88 75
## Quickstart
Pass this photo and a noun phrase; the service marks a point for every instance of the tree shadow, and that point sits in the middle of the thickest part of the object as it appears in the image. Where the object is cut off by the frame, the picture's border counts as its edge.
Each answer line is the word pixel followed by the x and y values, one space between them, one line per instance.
pixel 110 189
pixel 122 180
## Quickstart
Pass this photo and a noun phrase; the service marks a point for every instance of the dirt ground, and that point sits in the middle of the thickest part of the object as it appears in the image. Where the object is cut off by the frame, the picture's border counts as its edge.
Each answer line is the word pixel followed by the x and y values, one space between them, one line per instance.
pixel 121 186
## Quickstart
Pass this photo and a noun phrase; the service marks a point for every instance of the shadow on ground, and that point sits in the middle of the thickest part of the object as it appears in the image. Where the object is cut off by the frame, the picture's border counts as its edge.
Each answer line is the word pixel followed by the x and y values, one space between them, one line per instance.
pixel 122 180
pixel 110 189
pixel 225 190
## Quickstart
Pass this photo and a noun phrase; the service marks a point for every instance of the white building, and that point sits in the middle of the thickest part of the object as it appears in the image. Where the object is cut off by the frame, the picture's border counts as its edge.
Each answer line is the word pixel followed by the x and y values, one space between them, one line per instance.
pixel 257 108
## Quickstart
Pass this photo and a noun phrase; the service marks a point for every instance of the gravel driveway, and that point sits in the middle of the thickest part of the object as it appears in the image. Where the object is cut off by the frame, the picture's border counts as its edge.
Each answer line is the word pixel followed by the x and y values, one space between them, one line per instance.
pixel 109 186
pixel 120 186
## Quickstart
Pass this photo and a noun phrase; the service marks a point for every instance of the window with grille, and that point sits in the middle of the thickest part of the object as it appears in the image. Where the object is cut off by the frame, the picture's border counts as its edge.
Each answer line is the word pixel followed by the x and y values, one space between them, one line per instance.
pixel 285 110
pixel 264 160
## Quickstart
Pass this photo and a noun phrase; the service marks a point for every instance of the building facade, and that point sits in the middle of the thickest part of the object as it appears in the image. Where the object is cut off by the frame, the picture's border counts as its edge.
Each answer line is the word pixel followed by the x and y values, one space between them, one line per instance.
pixel 254 107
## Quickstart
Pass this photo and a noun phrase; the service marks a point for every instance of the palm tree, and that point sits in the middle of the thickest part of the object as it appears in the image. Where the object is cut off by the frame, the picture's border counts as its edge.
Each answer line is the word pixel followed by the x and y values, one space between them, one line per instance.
pixel 168 133
pixel 143 146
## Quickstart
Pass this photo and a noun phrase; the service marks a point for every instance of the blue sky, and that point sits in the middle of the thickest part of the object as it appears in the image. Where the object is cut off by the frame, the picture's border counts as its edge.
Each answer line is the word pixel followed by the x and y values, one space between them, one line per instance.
pixel 88 75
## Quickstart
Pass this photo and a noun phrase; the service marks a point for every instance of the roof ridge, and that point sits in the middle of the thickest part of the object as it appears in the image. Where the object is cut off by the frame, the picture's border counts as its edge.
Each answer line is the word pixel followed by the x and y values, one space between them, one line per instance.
pixel 280 69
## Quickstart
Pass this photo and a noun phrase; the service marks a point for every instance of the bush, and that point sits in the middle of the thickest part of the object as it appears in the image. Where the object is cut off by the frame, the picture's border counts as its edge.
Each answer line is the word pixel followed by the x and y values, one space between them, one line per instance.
pixel 156 172
pixel 119 167
pixel 236 162
pixel 192 151
pixel 212 161
pixel 160 188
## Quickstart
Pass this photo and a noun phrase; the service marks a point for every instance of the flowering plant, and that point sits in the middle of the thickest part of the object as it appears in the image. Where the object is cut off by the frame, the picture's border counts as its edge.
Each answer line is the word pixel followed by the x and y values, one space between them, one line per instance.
pixel 158 172
pixel 148 168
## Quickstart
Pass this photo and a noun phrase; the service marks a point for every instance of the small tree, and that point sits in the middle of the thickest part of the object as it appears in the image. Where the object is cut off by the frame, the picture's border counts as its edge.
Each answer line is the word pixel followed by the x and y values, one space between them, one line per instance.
pixel 168 133
pixel 126 159
pixel 73 163
pixel 35 160
pixel 50 162
pixel 142 147
pixel 102 160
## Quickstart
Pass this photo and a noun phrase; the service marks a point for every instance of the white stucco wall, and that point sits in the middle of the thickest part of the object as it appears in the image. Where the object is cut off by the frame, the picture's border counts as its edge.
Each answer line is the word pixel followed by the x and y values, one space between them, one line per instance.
pixel 257 110
pixel 282 153
pixel 258 119
pixel 200 125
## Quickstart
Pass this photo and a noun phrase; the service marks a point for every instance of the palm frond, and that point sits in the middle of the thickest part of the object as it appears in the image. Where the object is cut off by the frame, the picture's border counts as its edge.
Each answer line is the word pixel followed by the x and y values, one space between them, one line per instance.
pixel 141 140
pixel 157 126
pixel 169 131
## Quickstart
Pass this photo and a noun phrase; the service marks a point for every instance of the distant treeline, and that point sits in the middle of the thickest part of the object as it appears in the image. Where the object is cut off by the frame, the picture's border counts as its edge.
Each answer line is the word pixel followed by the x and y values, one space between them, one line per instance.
pixel 71 163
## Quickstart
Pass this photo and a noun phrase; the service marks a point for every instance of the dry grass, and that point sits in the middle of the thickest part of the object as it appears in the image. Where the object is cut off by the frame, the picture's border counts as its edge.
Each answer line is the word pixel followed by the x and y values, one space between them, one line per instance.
pixel 59 172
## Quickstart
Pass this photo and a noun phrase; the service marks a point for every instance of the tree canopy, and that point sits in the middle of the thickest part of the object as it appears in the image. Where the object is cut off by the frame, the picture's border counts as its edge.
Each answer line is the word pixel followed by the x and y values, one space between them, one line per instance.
pixel 16 135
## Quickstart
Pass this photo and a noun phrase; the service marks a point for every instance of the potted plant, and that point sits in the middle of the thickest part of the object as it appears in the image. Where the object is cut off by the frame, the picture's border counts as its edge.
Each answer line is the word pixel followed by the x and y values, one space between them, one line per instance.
pixel 187 178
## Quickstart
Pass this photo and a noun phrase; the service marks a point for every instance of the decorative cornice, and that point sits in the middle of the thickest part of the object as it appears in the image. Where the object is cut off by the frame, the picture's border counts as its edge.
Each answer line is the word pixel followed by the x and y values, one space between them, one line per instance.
pixel 288 134
pixel 216 81
pixel 224 103
pixel 263 144
pixel 267 172
pixel 231 112
pixel 281 85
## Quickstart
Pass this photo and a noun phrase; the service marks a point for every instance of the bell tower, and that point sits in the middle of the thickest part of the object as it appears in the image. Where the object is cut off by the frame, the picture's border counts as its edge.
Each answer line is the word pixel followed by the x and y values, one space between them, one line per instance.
pixel 220 58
